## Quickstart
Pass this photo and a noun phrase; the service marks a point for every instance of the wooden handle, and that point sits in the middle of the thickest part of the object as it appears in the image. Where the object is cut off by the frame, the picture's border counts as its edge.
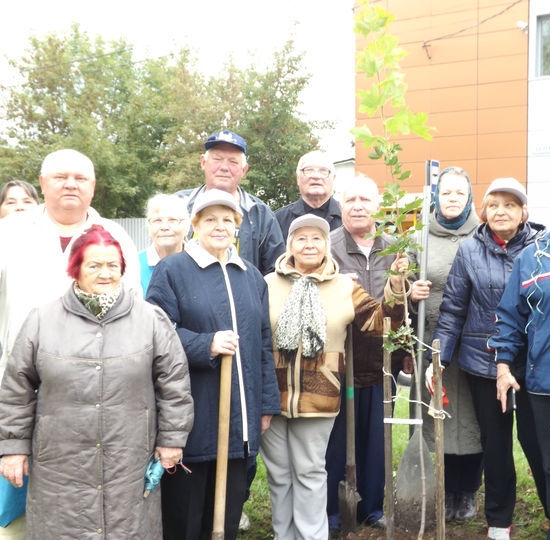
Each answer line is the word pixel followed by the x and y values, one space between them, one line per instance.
pixel 223 448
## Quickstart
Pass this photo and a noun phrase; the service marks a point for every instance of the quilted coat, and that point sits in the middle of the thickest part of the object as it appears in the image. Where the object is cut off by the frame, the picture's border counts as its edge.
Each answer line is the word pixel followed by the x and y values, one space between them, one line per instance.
pixel 191 288
pixel 474 288
pixel 522 316
pixel 89 400
pixel 37 273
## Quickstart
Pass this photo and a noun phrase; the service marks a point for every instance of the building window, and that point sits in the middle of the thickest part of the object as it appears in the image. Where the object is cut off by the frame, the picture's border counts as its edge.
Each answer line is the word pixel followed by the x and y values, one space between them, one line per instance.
pixel 543 45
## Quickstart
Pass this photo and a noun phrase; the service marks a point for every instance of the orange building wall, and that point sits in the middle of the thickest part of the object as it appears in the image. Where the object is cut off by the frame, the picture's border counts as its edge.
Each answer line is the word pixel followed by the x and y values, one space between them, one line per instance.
pixel 471 79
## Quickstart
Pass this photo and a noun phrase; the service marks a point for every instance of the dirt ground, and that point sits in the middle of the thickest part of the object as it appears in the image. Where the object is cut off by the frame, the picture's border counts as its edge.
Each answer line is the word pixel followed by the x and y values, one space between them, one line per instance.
pixel 453 531
pixel 369 533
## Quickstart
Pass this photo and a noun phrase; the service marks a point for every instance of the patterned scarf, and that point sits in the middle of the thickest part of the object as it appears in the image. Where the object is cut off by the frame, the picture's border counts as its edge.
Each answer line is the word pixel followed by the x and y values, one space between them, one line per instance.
pixel 97 304
pixel 302 318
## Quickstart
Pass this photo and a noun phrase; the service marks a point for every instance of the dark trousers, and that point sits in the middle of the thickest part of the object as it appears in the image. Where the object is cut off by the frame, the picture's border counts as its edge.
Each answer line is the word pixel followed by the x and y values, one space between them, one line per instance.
pixel 369 454
pixel 496 430
pixel 527 430
pixel 188 501
pixel 251 468
pixel 541 413
pixel 463 472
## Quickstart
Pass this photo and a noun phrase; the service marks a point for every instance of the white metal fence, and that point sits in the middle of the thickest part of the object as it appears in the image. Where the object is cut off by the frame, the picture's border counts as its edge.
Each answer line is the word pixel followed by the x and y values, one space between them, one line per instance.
pixel 137 229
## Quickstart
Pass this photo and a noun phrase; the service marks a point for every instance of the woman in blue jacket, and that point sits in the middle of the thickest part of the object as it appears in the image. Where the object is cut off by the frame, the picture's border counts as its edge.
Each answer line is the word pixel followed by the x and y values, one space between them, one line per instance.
pixel 218 304
pixel 474 288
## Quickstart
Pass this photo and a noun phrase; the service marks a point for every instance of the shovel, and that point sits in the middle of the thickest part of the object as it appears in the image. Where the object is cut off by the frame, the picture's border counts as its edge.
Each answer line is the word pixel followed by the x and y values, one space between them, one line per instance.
pixel 218 529
pixel 348 497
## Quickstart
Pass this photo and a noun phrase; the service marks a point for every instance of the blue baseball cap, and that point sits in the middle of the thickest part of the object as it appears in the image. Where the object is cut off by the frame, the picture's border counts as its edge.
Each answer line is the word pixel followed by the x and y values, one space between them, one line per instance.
pixel 226 137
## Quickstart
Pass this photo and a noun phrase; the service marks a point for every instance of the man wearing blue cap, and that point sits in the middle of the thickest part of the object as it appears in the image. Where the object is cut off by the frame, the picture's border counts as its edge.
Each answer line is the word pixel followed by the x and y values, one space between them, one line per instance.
pixel 259 239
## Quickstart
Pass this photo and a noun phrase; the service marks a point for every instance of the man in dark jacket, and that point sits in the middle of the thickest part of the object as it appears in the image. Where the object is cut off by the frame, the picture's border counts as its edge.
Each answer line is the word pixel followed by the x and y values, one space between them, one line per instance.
pixel 258 239
pixel 360 256
pixel 315 177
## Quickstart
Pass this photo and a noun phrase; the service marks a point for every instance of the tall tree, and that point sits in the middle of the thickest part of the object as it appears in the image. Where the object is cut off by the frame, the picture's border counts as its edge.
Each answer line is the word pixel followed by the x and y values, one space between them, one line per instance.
pixel 88 96
pixel 262 106
pixel 278 134
pixel 144 123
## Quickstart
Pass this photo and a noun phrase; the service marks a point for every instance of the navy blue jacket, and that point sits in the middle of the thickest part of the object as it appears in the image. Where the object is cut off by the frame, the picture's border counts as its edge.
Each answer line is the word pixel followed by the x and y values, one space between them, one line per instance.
pixel 473 290
pixel 259 239
pixel 522 316
pixel 194 295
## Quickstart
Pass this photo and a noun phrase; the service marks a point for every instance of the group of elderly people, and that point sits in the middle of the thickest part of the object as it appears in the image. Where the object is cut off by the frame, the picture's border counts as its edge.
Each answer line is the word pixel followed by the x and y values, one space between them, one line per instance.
pixel 101 382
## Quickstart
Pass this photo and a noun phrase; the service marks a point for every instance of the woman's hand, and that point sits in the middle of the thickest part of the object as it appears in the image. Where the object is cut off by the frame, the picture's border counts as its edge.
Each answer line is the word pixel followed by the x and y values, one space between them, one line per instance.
pixel 401 265
pixel 13 467
pixel 420 290
pixel 224 342
pixel 505 380
pixel 353 276
pixel 169 457
pixel 266 422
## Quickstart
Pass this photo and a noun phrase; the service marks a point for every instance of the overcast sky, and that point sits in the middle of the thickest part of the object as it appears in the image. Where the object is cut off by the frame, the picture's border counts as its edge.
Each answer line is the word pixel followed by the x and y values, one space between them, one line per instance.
pixel 249 30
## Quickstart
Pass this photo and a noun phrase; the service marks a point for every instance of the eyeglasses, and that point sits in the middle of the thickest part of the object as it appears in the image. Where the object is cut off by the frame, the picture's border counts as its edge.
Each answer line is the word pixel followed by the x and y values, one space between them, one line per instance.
pixel 322 172
pixel 171 221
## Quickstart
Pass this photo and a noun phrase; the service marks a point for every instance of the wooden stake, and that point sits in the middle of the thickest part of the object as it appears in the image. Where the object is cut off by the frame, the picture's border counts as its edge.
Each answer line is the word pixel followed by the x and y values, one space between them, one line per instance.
pixel 439 451
pixel 388 446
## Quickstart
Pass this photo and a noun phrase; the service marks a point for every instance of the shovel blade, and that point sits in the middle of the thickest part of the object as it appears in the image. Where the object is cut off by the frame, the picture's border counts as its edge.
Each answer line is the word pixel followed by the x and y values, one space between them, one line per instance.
pixel 408 485
pixel 348 497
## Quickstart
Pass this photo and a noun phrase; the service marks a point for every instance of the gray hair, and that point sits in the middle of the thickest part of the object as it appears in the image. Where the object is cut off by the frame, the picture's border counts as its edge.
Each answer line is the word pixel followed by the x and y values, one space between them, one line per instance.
pixel 176 204
pixel 316 155
pixel 359 178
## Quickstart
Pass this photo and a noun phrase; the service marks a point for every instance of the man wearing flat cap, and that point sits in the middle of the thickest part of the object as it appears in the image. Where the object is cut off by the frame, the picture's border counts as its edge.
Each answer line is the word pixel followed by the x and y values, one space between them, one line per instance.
pixel 259 239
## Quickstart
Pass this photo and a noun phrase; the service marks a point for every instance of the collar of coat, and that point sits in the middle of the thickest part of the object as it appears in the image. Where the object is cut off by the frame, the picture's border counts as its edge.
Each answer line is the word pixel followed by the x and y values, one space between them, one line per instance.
pixel 328 270
pixel 205 259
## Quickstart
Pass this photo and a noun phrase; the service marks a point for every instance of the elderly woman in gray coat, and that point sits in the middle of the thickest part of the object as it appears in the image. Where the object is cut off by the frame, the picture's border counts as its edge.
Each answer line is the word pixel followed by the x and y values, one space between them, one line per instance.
pixel 97 384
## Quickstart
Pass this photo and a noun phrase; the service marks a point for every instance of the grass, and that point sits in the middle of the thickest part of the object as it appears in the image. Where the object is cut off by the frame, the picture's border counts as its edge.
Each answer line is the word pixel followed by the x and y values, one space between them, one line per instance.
pixel 529 520
pixel 258 507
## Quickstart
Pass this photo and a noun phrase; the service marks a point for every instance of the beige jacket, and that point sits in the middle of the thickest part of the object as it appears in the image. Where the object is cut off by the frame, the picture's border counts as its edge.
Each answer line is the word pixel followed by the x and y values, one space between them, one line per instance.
pixel 311 388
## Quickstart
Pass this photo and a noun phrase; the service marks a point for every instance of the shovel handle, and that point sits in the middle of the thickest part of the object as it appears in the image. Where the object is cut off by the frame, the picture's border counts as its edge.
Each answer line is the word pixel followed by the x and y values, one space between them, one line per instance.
pixel 218 530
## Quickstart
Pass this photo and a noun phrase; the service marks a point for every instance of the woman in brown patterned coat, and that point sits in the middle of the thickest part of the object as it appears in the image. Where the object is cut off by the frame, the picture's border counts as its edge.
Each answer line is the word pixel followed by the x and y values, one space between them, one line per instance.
pixel 310 305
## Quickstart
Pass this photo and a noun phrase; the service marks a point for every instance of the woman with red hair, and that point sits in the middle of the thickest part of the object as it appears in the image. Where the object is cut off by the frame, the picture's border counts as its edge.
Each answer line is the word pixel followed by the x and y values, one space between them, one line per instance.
pixel 96 385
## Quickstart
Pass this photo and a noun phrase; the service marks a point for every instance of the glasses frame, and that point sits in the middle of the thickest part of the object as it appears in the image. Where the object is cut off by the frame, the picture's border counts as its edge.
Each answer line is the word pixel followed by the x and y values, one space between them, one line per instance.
pixel 316 171
pixel 171 221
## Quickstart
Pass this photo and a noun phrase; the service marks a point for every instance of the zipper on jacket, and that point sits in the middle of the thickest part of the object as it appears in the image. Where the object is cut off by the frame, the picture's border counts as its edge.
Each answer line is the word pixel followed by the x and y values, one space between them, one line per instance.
pixel 294 384
pixel 244 414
